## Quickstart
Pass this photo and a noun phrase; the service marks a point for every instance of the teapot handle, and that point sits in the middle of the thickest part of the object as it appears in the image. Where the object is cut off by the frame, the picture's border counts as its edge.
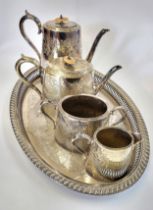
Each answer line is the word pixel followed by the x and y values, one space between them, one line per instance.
pixel 22 60
pixel 21 27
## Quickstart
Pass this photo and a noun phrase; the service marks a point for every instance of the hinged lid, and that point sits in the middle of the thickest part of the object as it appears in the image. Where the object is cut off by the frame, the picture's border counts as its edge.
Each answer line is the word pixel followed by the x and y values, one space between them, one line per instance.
pixel 69 67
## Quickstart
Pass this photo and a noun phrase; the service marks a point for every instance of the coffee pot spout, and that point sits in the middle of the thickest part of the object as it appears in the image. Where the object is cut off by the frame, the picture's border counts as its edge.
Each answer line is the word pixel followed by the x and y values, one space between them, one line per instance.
pixel 95 43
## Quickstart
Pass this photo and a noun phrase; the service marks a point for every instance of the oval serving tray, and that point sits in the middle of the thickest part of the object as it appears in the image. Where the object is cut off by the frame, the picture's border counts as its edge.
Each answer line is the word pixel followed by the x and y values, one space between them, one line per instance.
pixel 35 134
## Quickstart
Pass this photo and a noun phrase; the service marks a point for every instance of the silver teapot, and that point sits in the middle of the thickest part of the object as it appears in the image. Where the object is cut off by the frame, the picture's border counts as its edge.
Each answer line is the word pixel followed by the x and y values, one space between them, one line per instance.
pixel 65 76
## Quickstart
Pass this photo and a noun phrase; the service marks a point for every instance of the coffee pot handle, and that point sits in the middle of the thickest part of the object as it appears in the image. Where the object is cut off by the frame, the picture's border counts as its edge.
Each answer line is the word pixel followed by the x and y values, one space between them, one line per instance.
pixel 29 16
pixel 22 60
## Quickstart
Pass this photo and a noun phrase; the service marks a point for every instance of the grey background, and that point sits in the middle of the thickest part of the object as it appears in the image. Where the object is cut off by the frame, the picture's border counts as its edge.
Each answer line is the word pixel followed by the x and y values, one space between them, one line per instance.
pixel 130 43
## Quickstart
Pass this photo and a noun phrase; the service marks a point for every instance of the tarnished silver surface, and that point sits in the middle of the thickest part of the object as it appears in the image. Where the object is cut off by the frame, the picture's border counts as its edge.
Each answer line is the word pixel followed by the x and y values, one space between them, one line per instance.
pixel 112 151
pixel 60 37
pixel 77 118
pixel 64 76
pixel 36 136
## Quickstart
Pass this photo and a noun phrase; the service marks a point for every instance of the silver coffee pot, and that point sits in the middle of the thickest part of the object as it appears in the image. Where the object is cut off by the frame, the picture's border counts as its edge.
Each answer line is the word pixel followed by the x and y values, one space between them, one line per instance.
pixel 61 37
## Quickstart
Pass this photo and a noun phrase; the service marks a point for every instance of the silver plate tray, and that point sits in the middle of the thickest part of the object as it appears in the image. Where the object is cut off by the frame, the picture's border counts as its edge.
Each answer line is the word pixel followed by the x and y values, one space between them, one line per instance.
pixel 35 134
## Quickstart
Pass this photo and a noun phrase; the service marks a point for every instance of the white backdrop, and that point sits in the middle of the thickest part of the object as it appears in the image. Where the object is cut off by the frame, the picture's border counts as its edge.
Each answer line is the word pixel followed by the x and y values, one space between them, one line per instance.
pixel 130 43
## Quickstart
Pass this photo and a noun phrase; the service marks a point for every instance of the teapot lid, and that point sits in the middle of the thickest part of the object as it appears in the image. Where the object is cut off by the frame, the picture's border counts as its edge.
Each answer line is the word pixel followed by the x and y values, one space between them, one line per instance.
pixel 69 67
pixel 62 24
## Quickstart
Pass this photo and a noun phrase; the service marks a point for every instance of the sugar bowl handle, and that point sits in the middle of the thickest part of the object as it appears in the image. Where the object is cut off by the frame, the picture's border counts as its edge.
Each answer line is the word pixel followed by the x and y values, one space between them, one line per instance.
pixel 22 60
pixel 29 16
pixel 42 105
pixel 119 120
pixel 137 139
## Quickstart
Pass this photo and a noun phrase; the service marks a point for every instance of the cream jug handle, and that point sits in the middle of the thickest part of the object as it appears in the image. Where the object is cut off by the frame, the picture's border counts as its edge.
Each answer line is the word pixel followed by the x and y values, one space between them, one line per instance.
pixel 29 16
pixel 81 136
pixel 22 60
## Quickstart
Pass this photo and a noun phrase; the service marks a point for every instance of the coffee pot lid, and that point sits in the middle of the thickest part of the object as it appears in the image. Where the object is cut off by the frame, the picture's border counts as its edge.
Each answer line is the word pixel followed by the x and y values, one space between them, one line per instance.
pixel 69 67
pixel 62 24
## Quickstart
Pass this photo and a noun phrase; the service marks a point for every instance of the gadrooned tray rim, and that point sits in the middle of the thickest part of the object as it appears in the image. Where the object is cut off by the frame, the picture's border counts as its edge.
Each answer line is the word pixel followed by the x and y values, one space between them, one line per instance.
pixel 75 185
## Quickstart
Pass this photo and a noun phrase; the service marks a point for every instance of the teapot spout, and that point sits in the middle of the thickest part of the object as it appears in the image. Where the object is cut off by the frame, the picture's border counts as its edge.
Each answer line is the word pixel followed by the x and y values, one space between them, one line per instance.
pixel 95 43
pixel 107 77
